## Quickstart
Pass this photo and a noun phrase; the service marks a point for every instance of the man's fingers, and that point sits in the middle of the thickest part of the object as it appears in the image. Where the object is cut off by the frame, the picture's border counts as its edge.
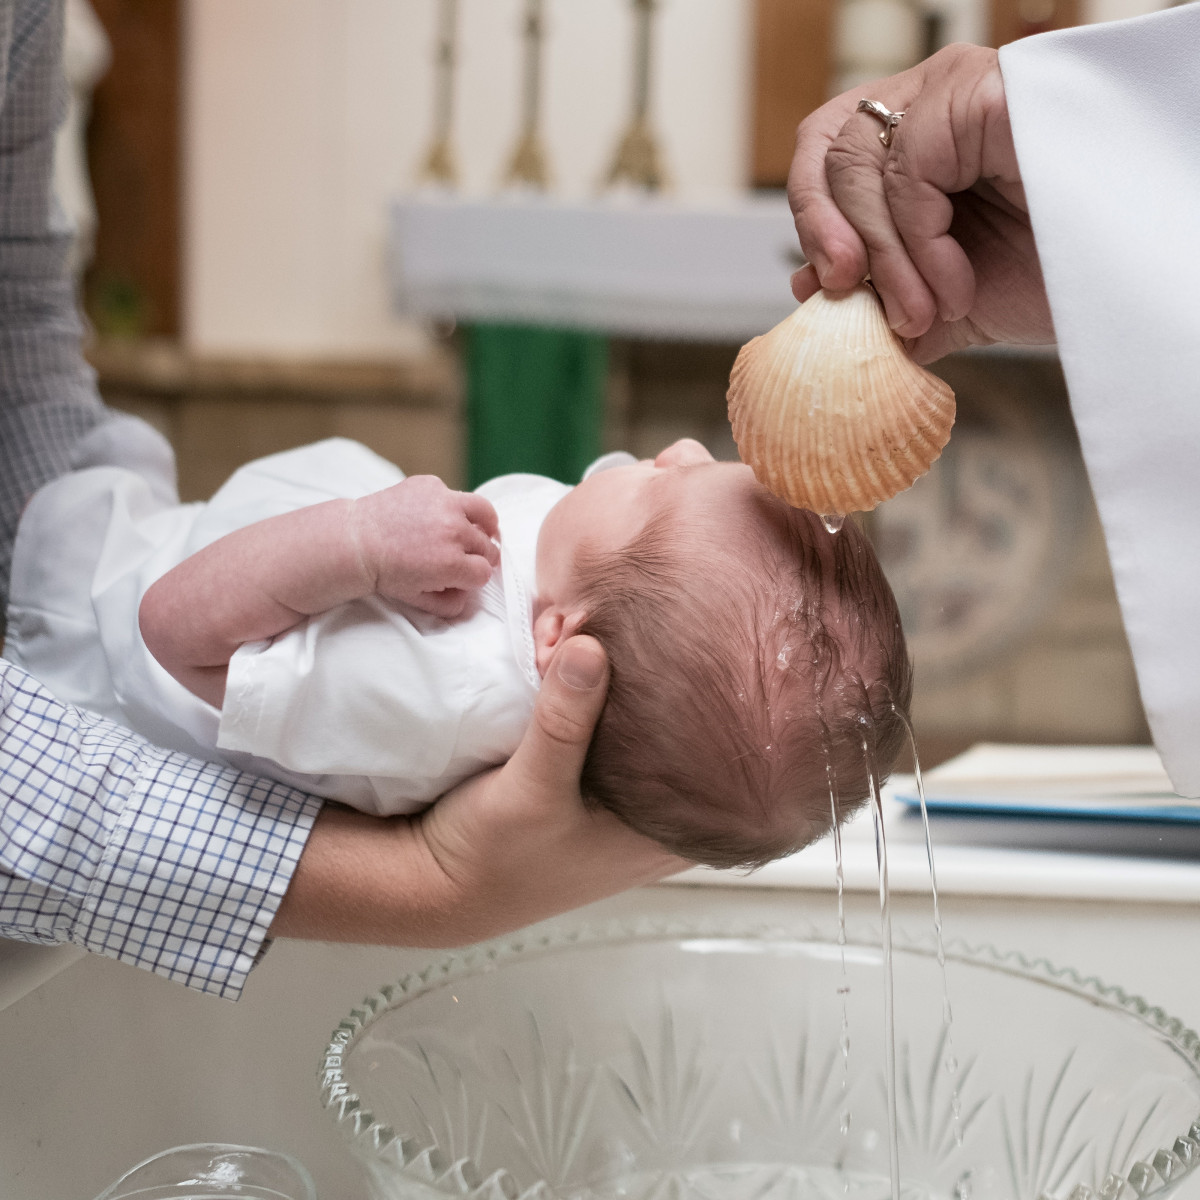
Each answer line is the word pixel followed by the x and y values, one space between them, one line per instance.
pixel 925 165
pixel 841 208
pixel 836 253
pixel 805 283
pixel 568 706
pixel 857 165
pixel 957 136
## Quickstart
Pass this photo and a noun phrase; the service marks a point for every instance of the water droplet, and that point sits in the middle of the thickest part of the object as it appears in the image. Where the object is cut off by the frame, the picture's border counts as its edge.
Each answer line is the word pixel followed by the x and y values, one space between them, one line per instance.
pixel 833 522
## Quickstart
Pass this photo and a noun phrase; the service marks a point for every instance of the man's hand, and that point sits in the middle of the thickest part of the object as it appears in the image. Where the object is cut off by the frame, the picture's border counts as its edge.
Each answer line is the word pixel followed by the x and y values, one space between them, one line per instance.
pixel 426 545
pixel 518 844
pixel 500 851
pixel 937 219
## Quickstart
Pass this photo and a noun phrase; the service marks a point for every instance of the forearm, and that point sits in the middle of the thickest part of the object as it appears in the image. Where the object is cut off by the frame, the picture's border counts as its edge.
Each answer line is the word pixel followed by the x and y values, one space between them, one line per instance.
pixel 502 850
pixel 400 882
pixel 250 586
pixel 158 860
pixel 369 880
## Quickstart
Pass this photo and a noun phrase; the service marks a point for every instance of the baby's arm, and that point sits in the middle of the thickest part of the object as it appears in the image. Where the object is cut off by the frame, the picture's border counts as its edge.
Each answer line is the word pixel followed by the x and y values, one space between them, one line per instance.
pixel 416 542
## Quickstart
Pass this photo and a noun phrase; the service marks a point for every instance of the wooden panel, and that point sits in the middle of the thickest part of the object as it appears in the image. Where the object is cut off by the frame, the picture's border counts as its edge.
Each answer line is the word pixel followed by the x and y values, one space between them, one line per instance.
pixel 219 413
pixel 792 68
pixel 1013 19
pixel 132 286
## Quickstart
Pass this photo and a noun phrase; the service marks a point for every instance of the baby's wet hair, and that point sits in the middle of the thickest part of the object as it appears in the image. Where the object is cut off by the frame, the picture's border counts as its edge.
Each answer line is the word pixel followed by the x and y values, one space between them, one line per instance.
pixel 746 689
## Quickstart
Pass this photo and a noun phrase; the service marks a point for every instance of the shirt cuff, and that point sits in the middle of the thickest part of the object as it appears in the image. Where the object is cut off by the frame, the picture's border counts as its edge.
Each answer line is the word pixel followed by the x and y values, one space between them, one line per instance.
pixel 192 876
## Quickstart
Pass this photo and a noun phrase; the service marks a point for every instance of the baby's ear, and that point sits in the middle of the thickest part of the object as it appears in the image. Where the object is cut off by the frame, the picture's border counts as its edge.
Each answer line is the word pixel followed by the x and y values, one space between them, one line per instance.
pixel 551 627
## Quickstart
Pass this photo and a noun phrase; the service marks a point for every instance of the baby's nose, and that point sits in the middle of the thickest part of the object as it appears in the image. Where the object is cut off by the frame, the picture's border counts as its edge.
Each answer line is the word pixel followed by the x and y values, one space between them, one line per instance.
pixel 683 453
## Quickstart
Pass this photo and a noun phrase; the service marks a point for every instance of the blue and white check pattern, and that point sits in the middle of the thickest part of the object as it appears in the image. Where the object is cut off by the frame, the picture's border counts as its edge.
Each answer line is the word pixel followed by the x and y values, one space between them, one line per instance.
pixel 150 857
pixel 48 399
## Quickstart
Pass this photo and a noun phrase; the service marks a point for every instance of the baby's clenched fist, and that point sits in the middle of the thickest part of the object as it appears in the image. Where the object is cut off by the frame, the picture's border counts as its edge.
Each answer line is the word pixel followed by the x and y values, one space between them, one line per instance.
pixel 425 545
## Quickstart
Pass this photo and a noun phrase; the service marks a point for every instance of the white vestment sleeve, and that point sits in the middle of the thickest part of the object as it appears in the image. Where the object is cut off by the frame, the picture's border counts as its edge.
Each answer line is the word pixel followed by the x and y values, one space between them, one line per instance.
pixel 1107 136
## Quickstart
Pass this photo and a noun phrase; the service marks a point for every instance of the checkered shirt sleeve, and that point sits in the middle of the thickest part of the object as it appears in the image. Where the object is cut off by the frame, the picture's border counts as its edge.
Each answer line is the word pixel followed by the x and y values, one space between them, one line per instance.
pixel 48 398
pixel 151 857
pixel 161 861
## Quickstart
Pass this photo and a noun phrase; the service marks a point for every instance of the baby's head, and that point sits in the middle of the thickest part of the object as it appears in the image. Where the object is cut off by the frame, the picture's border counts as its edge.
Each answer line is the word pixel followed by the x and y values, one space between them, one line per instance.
pixel 758 664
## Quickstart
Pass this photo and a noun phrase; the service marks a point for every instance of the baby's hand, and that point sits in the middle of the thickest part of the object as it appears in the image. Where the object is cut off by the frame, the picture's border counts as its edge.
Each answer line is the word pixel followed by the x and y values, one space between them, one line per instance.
pixel 425 545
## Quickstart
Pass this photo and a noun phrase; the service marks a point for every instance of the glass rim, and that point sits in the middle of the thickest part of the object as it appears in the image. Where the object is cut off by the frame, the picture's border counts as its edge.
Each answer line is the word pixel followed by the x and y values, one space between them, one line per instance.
pixel 289 1160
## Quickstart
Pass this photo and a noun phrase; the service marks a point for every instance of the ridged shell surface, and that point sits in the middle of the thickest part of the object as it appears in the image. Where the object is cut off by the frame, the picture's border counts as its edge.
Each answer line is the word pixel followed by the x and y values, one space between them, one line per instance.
pixel 831 412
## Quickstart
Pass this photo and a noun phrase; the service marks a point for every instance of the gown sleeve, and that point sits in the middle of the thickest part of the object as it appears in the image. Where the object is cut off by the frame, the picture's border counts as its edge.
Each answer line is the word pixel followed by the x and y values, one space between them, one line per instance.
pixel 1104 122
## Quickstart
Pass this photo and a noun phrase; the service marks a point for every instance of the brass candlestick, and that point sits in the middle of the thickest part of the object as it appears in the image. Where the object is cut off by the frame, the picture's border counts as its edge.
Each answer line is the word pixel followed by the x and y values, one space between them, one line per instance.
pixel 440 165
pixel 528 165
pixel 638 160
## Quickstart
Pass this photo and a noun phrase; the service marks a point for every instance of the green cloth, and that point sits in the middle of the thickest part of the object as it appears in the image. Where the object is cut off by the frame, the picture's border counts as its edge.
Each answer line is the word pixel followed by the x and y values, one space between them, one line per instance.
pixel 535 401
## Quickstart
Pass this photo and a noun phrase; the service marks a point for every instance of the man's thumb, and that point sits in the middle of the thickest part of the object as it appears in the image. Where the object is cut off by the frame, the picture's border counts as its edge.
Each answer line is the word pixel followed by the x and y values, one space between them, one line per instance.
pixel 581 665
pixel 566 712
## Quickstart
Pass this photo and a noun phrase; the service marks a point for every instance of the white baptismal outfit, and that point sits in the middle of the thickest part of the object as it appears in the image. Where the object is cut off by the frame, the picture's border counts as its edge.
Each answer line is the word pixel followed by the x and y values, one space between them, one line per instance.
pixel 375 704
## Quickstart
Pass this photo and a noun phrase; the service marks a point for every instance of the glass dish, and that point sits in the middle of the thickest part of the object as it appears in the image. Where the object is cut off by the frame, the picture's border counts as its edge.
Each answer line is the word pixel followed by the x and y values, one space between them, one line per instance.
pixel 214 1171
pixel 677 1063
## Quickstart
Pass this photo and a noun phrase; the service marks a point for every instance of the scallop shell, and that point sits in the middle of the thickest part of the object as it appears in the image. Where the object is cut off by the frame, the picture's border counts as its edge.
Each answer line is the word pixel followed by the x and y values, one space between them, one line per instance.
pixel 831 412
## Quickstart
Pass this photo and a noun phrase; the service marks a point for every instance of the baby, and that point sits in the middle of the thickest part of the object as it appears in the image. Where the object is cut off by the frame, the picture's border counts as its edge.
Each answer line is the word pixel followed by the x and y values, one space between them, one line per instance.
pixel 377 639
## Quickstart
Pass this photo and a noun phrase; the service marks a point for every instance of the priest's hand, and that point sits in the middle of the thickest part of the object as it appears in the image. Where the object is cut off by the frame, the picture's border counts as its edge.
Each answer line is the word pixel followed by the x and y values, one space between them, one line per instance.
pixel 937 219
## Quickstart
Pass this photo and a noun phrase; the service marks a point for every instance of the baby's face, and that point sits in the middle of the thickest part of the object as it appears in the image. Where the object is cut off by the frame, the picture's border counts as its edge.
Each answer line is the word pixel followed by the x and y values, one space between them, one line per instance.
pixel 609 509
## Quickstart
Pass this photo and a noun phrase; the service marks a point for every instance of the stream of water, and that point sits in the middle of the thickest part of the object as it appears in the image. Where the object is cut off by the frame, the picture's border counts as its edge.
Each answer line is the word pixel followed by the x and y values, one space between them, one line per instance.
pixel 950 1061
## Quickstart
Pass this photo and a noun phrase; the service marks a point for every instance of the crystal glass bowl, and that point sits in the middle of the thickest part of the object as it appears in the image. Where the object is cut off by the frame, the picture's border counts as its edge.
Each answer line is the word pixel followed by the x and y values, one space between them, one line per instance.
pixel 717 1064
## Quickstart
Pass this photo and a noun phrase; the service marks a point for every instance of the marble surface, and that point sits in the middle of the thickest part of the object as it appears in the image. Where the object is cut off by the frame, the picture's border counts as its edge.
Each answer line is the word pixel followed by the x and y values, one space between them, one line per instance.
pixel 636 266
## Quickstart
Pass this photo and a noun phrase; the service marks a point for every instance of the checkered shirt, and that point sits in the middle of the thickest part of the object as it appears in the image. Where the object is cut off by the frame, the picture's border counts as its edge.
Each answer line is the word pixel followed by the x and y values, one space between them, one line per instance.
pixel 150 857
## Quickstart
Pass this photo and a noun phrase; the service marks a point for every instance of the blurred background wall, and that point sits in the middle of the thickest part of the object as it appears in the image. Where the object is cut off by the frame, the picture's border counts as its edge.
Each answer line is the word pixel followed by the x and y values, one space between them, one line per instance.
pixel 244 153
pixel 304 118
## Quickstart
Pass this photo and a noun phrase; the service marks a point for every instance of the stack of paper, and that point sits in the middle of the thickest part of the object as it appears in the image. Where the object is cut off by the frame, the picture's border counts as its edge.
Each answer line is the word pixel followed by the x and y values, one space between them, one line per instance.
pixel 1093 798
